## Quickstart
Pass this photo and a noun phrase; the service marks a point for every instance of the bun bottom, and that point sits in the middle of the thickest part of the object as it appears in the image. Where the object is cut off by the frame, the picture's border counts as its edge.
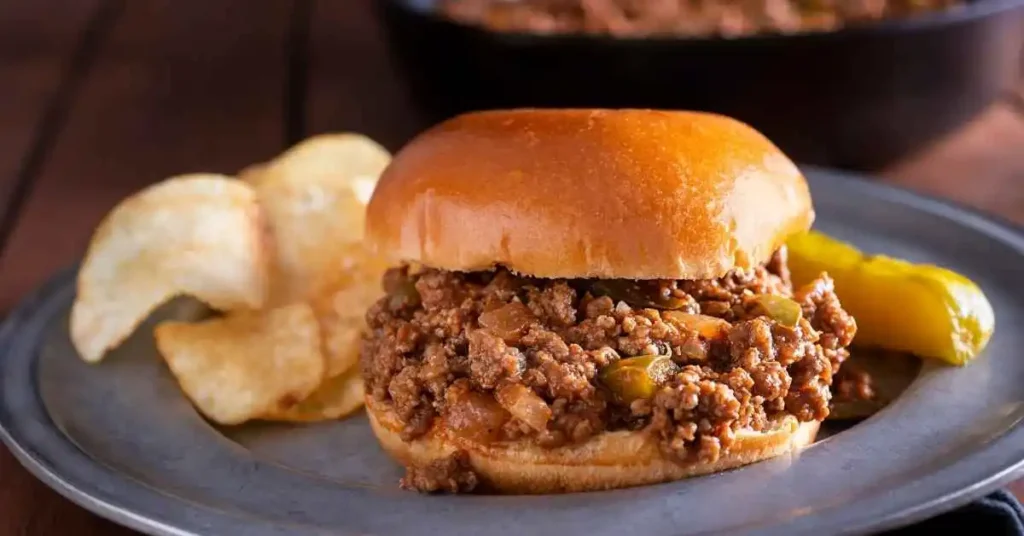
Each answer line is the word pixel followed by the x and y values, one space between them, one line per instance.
pixel 610 460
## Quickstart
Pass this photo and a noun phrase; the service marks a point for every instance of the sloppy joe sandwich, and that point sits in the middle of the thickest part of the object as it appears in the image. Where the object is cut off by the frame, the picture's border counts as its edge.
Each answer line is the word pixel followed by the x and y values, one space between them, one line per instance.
pixel 593 299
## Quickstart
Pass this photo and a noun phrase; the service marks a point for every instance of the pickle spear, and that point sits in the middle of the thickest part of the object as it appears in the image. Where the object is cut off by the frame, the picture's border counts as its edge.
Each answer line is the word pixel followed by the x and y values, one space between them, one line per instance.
pixel 922 309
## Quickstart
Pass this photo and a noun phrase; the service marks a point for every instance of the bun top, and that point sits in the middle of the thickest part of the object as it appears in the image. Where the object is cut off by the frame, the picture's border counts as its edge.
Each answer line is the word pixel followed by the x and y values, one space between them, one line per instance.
pixel 637 194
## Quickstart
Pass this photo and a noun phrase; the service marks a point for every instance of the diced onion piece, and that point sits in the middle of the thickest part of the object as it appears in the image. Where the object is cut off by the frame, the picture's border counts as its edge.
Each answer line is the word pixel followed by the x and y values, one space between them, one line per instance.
pixel 709 327
pixel 508 321
pixel 524 405
pixel 475 416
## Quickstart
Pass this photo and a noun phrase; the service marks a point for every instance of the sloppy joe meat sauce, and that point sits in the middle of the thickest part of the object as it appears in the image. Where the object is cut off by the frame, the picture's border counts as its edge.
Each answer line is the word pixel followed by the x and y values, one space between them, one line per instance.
pixel 496 356
pixel 642 18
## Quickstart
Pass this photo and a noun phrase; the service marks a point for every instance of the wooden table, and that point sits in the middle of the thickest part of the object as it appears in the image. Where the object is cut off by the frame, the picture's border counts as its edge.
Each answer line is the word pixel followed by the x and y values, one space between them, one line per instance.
pixel 104 96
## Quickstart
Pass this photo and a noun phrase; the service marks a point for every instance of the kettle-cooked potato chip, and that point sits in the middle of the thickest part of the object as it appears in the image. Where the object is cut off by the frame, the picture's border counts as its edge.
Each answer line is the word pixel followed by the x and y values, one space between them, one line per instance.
pixel 354 158
pixel 341 308
pixel 199 235
pixel 246 364
pixel 314 195
pixel 336 398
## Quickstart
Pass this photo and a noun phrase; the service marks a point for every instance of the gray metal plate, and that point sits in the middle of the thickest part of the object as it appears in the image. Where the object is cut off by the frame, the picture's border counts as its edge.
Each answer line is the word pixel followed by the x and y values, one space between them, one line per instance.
pixel 120 439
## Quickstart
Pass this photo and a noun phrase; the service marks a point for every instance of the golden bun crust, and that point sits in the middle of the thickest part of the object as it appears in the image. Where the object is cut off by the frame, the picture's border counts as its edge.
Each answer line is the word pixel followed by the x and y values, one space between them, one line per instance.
pixel 637 194
pixel 608 461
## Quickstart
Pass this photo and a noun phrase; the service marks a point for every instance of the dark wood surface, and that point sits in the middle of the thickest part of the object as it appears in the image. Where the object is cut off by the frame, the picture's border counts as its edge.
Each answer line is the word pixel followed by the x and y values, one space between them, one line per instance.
pixel 102 97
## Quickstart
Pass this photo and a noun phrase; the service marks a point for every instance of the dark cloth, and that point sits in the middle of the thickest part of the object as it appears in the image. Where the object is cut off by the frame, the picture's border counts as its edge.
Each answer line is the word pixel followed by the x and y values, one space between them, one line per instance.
pixel 997 514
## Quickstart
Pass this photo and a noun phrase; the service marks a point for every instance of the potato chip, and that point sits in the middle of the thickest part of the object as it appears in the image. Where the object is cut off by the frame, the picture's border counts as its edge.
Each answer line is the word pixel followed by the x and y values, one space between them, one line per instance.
pixel 199 235
pixel 354 158
pixel 314 195
pixel 250 174
pixel 246 364
pixel 336 398
pixel 341 309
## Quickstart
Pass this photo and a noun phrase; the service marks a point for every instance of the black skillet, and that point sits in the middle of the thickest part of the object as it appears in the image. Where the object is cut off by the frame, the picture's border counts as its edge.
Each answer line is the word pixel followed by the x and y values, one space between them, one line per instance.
pixel 856 98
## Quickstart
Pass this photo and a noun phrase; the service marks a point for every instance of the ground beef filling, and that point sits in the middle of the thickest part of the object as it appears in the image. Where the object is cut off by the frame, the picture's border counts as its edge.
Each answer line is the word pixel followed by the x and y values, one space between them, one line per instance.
pixel 501 357
pixel 451 474
pixel 852 384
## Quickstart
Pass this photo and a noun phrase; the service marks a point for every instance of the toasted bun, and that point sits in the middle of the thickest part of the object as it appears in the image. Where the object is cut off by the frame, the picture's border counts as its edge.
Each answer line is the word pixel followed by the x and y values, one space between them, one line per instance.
pixel 608 461
pixel 636 194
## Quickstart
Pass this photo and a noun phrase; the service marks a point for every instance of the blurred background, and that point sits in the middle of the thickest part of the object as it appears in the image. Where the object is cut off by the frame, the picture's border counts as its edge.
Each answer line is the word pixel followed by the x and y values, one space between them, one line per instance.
pixel 101 97
pixel 847 83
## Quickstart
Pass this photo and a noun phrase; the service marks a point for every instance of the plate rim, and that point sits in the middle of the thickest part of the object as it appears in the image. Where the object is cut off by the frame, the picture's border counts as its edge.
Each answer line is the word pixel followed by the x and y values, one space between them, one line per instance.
pixel 45 470
pixel 98 501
